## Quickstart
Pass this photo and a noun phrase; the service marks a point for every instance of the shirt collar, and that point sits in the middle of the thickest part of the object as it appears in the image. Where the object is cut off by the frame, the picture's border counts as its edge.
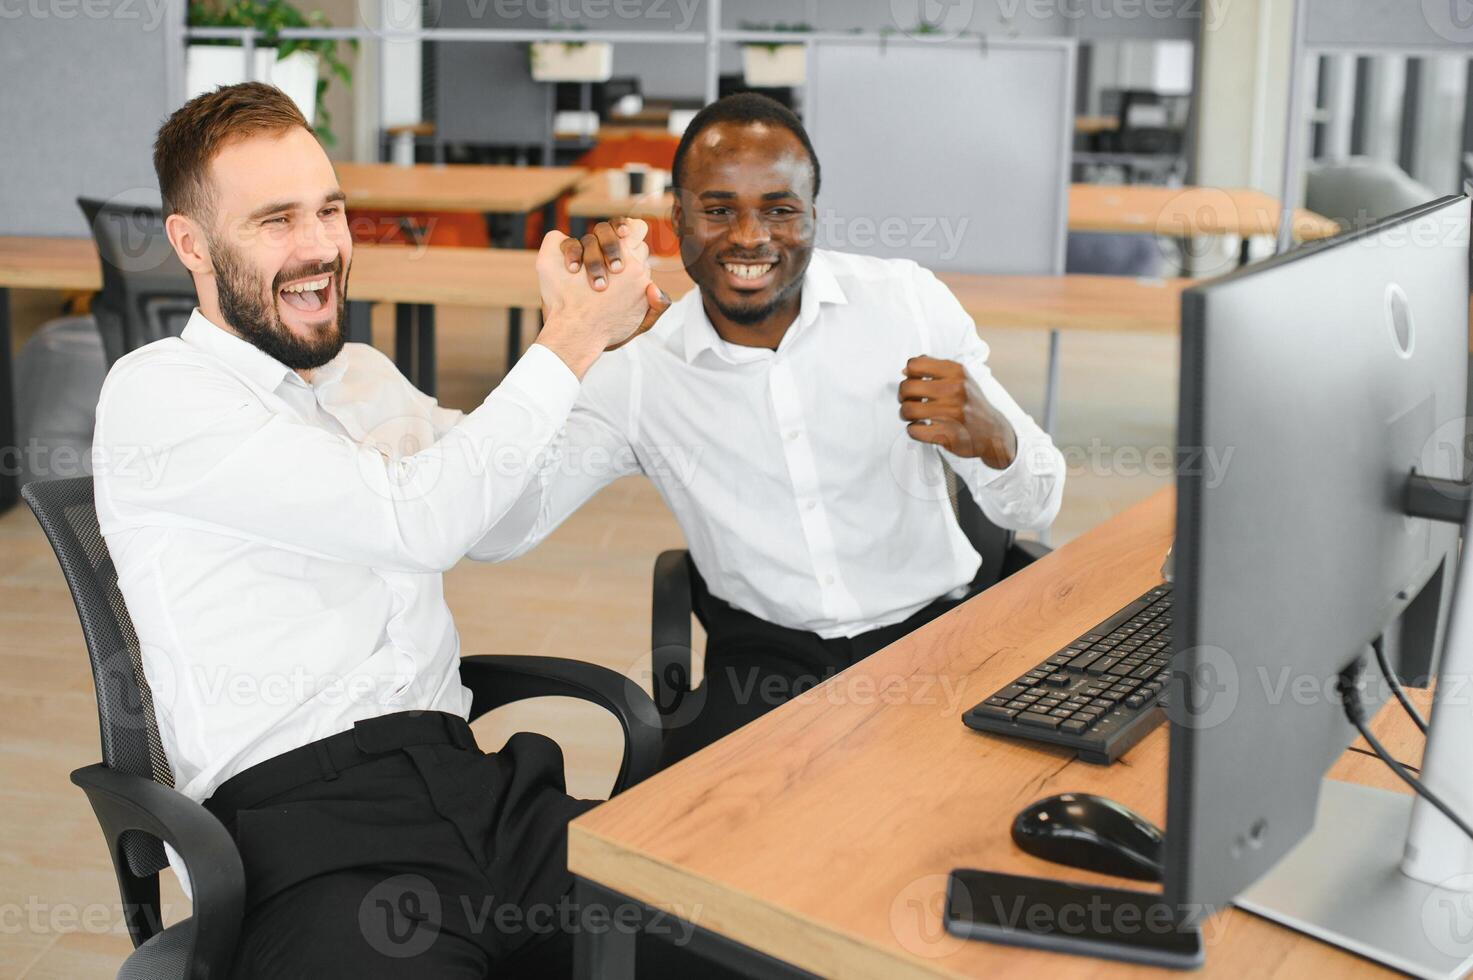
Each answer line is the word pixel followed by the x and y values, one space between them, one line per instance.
pixel 820 286
pixel 245 357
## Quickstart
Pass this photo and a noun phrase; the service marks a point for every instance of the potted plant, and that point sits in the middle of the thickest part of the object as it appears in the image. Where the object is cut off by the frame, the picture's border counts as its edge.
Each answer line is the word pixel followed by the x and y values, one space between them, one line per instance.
pixel 771 65
pixel 572 61
pixel 292 65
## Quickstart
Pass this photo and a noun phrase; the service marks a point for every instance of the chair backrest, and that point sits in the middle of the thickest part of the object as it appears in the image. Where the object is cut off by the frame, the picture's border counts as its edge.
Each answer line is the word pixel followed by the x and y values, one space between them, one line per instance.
pixel 991 541
pixel 147 293
pixel 125 715
pixel 1360 190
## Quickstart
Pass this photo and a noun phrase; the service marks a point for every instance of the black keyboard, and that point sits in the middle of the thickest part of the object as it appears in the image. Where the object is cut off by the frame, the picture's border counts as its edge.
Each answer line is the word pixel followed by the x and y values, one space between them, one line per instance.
pixel 1100 694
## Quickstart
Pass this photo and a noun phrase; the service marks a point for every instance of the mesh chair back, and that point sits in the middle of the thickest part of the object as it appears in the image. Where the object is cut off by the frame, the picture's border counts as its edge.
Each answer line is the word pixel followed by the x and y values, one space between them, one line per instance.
pixel 147 293
pixel 130 734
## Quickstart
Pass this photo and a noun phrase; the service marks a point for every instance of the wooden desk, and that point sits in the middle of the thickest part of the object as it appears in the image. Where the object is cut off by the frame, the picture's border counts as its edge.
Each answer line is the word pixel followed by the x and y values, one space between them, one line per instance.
pixel 1180 213
pixel 821 835
pixel 1187 212
pixel 415 279
pixel 1089 125
pixel 489 189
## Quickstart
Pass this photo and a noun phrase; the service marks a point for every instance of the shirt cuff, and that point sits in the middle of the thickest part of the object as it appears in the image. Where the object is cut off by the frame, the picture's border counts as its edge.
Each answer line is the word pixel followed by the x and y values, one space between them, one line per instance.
pixel 985 475
pixel 546 381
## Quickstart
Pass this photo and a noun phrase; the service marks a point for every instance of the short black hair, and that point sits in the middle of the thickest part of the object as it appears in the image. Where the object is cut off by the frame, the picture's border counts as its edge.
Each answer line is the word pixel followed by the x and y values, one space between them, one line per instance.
pixel 742 107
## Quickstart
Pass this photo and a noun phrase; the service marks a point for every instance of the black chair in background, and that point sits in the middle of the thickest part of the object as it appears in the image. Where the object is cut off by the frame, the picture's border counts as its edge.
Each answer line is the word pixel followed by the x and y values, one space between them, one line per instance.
pixel 670 635
pixel 132 792
pixel 1151 123
pixel 147 293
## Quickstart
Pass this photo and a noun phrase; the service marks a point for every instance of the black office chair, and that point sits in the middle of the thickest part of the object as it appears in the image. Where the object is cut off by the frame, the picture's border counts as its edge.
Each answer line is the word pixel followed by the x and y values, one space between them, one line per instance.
pixel 670 642
pixel 1151 123
pixel 132 792
pixel 147 293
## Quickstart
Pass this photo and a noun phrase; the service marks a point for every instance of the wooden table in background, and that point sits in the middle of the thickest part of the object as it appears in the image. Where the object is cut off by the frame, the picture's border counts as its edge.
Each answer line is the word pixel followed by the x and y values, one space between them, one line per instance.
pixel 1169 212
pixel 483 188
pixel 1187 212
pixel 821 835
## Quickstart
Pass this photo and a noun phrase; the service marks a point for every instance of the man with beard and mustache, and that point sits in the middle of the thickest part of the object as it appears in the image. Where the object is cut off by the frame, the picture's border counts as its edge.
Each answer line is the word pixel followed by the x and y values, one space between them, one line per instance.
pixel 280 540
pixel 763 405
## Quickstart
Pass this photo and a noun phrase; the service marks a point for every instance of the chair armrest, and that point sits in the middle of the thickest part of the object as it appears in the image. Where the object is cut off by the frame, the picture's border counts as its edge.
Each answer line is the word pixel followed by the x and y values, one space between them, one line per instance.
pixel 126 803
pixel 498 680
pixel 1021 554
pixel 670 653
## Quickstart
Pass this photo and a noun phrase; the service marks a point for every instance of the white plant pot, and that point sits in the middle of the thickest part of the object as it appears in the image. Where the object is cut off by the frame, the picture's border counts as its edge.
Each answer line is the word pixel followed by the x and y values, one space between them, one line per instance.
pixel 785 66
pixel 208 66
pixel 575 61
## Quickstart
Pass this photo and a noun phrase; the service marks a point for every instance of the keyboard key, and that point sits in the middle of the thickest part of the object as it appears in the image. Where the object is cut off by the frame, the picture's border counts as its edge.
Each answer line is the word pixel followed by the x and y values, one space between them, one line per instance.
pixel 992 711
pixel 1146 671
pixel 1012 691
pixel 1086 658
pixel 1103 664
pixel 1058 659
pixel 1058 680
pixel 1062 713
pixel 1073 726
pixel 1028 698
pixel 1049 702
pixel 996 699
pixel 1135 701
pixel 1107 700
pixel 1119 669
pixel 1037 718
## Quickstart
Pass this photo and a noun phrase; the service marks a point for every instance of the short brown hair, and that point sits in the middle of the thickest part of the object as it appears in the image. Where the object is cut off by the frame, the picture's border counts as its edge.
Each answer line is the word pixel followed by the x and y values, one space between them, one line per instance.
pixel 200 128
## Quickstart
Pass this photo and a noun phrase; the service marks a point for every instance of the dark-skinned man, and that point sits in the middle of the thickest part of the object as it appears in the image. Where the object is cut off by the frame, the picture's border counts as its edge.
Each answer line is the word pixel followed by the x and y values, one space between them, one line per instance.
pixel 794 411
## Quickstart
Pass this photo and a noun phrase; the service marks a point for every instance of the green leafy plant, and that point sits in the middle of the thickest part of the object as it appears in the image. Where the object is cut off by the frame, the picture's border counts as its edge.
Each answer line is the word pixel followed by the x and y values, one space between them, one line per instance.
pixel 273 16
pixel 771 46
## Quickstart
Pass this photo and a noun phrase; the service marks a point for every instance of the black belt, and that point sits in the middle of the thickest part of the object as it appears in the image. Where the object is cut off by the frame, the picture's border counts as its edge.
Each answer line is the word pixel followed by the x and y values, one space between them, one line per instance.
pixel 323 759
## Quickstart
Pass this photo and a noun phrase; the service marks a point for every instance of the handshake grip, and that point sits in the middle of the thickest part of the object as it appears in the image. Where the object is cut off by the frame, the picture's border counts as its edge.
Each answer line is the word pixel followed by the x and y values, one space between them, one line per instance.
pixel 597 292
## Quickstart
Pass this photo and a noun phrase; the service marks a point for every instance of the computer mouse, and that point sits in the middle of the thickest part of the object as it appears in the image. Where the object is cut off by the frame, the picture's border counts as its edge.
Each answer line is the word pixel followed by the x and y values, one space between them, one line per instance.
pixel 1090 832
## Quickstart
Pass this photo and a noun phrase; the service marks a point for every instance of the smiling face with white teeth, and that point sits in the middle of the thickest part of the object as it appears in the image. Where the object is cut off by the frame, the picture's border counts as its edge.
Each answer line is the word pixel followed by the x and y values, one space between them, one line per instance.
pixel 745 218
pixel 271 258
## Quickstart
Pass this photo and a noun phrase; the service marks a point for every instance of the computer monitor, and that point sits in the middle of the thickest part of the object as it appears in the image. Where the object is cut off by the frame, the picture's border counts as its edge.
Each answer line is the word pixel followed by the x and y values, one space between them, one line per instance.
pixel 1312 386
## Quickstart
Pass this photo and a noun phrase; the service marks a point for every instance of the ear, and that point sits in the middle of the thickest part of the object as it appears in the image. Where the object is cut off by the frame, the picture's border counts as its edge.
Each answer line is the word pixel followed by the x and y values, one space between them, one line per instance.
pixel 189 244
pixel 677 214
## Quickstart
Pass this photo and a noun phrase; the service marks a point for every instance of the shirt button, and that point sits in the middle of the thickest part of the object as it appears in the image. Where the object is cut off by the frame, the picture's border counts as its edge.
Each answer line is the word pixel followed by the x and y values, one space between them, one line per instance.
pixel 792 434
pixel 828 580
pixel 810 504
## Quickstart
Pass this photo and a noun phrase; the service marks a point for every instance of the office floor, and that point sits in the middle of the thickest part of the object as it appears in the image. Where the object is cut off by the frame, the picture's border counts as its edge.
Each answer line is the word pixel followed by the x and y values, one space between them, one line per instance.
pixel 584 593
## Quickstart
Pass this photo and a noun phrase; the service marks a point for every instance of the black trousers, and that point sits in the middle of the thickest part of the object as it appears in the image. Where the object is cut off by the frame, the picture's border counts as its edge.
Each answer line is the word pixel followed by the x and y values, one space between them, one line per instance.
pixel 401 850
pixel 752 666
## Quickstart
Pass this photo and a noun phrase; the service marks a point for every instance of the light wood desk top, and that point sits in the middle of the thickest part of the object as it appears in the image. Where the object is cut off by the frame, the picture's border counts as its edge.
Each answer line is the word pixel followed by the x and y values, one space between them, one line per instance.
pixel 1095 124
pixel 592 200
pixel 455 187
pixel 490 277
pixel 822 833
pixel 501 278
pixel 1181 212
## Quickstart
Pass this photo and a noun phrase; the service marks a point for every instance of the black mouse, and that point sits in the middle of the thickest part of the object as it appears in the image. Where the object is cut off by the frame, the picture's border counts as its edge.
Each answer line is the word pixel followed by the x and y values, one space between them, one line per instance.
pixel 1090 832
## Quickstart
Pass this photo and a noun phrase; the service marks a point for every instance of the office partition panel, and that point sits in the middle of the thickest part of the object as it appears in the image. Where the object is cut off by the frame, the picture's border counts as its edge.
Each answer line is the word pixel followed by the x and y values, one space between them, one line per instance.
pixel 954 154
pixel 85 90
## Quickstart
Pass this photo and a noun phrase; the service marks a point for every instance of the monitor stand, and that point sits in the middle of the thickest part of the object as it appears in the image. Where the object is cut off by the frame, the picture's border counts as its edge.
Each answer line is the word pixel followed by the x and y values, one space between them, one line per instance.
pixel 1344 885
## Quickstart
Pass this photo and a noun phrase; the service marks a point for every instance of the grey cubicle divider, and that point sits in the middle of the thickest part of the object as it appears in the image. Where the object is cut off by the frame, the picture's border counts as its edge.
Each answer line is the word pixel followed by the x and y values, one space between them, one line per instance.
pixel 81 99
pixel 954 154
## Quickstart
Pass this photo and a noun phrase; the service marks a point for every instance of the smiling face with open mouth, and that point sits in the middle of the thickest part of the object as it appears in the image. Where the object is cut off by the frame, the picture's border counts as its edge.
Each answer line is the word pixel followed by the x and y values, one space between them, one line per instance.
pixel 280 248
pixel 744 214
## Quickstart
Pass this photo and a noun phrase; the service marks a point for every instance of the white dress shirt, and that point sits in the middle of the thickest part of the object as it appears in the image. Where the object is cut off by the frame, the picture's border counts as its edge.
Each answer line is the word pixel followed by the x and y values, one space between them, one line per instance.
pixel 802 497
pixel 280 544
